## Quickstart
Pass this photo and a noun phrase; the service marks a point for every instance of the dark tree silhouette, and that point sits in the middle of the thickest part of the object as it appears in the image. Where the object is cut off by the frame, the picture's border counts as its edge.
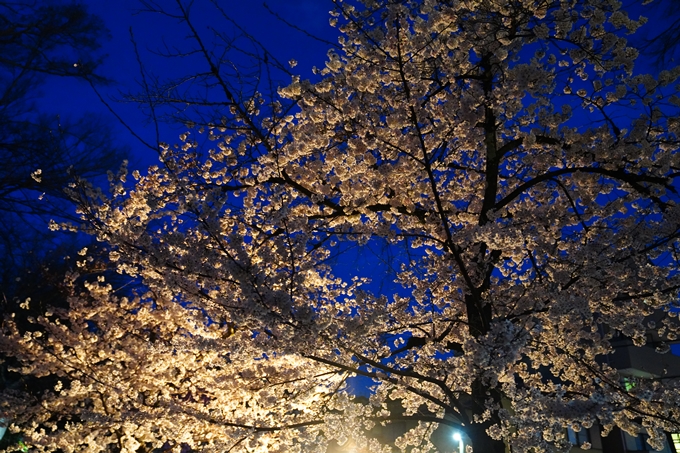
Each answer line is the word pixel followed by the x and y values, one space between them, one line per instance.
pixel 41 151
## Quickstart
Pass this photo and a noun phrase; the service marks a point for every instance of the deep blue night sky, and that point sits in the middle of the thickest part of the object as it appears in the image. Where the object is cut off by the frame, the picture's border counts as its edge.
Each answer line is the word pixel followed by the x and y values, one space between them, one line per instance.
pixel 69 96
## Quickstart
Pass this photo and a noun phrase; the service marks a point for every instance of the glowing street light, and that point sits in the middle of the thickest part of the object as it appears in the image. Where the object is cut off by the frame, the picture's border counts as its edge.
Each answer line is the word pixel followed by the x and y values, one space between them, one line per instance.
pixel 458 438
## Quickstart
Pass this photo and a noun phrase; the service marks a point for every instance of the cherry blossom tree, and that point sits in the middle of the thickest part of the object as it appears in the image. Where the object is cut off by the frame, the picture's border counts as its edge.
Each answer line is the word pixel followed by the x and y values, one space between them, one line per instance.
pixel 519 173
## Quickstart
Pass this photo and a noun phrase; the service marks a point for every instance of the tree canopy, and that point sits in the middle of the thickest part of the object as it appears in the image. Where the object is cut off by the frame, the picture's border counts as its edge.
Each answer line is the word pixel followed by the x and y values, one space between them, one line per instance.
pixel 517 171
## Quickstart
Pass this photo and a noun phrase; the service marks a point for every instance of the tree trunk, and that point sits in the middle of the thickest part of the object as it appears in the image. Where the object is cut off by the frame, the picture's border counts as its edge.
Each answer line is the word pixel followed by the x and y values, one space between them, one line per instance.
pixel 480 440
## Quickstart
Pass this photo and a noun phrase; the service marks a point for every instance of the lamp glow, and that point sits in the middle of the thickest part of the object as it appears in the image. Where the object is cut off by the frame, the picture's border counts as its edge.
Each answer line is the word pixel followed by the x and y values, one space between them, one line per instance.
pixel 458 438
